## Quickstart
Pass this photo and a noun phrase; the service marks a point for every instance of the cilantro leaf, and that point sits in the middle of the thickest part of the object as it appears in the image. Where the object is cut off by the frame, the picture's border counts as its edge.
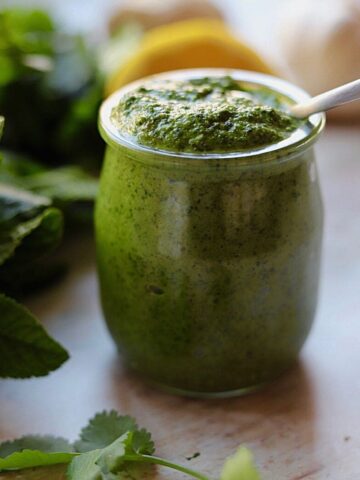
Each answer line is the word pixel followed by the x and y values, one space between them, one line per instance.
pixel 26 349
pixel 142 442
pixel 128 457
pixel 44 443
pixel 112 458
pixel 84 467
pixel 240 466
pixel 103 429
pixel 34 458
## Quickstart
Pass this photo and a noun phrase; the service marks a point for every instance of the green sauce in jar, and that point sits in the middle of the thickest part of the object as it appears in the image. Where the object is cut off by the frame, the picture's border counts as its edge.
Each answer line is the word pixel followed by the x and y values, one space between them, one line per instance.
pixel 202 115
pixel 208 254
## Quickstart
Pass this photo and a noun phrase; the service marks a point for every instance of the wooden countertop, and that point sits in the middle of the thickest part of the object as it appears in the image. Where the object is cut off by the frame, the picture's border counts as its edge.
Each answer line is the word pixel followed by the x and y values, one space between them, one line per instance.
pixel 304 426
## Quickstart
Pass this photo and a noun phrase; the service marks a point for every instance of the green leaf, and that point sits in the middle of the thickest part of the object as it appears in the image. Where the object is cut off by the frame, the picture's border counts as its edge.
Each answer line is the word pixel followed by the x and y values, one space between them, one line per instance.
pixel 103 429
pixel 142 442
pixel 44 73
pixel 27 263
pixel 44 443
pixel 12 238
pixel 33 458
pixel 17 204
pixel 111 459
pixel 41 235
pixel 70 188
pixel 63 185
pixel 84 467
pixel 240 466
pixel 26 350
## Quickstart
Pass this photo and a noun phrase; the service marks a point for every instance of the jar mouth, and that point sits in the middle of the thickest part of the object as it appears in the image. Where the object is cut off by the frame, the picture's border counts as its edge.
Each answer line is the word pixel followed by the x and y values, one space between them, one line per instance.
pixel 301 138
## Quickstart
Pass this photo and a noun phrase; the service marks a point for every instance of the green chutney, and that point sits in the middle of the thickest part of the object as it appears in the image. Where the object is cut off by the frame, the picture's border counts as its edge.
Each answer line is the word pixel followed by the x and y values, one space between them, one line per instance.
pixel 211 114
pixel 208 229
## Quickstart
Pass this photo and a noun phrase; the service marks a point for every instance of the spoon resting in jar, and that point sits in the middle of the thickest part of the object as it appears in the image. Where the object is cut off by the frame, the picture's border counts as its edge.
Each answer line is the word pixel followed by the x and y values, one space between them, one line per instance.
pixel 328 100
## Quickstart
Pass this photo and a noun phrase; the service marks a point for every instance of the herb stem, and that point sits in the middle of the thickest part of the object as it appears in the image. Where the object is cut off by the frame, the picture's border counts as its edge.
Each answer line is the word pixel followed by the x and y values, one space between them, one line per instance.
pixel 165 463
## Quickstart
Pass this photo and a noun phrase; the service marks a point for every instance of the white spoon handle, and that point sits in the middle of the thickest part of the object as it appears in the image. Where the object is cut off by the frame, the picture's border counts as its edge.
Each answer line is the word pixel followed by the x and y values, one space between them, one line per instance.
pixel 325 101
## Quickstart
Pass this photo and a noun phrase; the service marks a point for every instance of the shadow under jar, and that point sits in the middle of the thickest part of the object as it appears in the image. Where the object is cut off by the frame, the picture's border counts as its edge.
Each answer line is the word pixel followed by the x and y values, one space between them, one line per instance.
pixel 209 263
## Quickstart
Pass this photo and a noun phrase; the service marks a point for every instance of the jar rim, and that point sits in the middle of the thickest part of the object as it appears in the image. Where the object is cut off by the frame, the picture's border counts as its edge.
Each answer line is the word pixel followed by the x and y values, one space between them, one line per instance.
pixel 300 140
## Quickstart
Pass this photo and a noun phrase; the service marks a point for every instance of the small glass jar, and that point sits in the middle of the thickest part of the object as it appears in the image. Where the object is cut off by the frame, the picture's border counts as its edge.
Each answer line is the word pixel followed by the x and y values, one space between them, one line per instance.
pixel 209 263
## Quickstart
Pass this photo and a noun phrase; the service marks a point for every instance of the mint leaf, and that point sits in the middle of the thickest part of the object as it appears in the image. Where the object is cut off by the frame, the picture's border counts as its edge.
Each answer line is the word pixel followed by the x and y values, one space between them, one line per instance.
pixel 44 443
pixel 240 466
pixel 84 467
pixel 44 74
pixel 12 238
pixel 30 265
pixel 26 349
pixel 18 204
pixel 20 214
pixel 70 188
pixel 33 458
pixel 63 185
pixel 28 241
pixel 103 429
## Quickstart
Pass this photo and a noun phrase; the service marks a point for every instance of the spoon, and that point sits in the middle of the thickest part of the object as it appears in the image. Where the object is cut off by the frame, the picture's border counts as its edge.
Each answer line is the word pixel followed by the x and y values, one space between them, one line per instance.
pixel 325 101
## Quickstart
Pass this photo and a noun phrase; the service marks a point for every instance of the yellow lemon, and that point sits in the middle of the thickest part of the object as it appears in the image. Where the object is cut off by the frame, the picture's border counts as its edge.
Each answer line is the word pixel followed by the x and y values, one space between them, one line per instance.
pixel 198 43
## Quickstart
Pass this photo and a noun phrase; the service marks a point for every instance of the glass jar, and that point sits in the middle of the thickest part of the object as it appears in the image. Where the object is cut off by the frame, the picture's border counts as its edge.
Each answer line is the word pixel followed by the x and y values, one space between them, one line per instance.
pixel 209 264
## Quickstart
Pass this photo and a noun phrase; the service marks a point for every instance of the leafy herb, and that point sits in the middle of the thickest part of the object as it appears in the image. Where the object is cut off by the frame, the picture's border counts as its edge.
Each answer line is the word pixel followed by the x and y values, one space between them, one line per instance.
pixel 29 229
pixel 50 90
pixel 129 452
pixel 70 188
pixel 84 467
pixel 34 451
pixel 44 443
pixel 26 350
pixel 33 458
pixel 104 429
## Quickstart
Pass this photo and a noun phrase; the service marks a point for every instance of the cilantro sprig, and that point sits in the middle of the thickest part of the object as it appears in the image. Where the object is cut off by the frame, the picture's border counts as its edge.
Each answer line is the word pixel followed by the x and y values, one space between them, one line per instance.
pixel 110 447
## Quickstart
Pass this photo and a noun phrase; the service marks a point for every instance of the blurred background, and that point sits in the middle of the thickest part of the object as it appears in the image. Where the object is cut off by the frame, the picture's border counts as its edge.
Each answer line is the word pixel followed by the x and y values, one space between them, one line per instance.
pixel 59 59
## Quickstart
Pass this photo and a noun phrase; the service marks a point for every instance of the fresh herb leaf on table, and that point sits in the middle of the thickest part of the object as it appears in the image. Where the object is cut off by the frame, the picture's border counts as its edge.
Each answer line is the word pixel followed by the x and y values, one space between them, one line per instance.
pixel 44 443
pixel 129 452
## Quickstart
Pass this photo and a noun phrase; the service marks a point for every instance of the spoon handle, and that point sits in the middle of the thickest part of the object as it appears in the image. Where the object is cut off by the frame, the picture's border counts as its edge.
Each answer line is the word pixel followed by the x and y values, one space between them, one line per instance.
pixel 325 101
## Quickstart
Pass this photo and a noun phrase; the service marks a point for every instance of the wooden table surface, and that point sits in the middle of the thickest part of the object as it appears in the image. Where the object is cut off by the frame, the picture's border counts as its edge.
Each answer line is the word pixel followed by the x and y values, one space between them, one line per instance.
pixel 304 426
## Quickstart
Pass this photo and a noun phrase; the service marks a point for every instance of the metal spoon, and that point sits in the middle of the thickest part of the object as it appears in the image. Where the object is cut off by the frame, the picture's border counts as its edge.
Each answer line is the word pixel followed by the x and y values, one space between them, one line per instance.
pixel 325 101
